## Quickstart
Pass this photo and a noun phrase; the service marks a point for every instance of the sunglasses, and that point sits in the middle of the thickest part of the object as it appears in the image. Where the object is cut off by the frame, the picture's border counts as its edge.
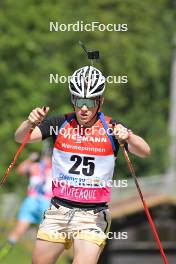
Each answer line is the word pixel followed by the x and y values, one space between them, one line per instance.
pixel 90 103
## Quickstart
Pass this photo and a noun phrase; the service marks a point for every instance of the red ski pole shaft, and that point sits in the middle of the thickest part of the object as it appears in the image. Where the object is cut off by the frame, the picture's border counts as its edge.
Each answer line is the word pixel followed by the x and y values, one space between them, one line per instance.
pixel 155 233
pixel 131 168
pixel 12 164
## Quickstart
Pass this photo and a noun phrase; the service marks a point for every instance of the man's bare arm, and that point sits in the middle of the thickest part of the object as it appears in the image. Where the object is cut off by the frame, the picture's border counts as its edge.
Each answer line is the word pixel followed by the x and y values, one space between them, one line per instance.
pixel 136 144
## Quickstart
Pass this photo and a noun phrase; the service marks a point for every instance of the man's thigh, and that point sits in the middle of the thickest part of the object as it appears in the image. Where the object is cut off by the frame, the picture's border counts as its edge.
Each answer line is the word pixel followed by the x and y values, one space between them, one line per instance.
pixel 46 252
pixel 85 252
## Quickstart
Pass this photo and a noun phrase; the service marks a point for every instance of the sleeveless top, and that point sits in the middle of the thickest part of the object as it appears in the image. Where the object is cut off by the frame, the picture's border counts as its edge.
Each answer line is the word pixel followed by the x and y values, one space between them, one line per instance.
pixel 83 161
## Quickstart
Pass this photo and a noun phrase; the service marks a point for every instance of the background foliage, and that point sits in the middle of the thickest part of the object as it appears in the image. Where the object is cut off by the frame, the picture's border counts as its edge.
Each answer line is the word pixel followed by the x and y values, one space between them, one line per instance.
pixel 29 53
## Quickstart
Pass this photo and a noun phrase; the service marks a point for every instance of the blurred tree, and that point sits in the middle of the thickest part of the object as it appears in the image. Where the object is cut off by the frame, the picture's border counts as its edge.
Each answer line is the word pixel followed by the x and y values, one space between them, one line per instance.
pixel 29 52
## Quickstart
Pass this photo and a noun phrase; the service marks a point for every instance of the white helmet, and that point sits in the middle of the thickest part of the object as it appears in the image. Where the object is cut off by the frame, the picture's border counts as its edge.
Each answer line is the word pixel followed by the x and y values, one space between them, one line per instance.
pixel 87 82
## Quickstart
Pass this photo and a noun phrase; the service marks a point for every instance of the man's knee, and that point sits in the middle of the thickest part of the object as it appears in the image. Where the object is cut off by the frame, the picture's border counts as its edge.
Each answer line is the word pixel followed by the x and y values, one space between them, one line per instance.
pixel 46 252
pixel 80 260
pixel 76 261
pixel 38 258
pixel 35 258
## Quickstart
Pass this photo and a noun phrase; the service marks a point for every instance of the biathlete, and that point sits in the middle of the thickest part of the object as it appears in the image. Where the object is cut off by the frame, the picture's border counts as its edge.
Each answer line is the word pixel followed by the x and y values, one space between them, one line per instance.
pixel 37 200
pixel 84 154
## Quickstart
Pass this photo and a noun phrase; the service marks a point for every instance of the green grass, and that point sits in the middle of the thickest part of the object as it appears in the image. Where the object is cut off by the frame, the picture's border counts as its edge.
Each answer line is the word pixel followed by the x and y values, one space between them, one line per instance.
pixel 21 253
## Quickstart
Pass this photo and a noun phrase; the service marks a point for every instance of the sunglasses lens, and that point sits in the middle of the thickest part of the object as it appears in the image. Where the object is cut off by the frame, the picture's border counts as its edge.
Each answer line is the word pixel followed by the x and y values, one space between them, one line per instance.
pixel 90 103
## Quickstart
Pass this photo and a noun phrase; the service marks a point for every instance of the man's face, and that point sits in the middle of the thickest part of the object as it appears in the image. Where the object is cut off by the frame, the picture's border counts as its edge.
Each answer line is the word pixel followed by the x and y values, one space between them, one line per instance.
pixel 86 114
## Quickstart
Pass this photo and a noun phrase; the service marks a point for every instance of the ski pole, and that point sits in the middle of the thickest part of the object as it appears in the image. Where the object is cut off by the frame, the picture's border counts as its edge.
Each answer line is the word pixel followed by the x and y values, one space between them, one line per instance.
pixel 12 164
pixel 131 168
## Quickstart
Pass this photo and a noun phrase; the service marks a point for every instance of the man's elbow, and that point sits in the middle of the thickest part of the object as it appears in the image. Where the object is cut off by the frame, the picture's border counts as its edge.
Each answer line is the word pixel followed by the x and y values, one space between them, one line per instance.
pixel 17 139
pixel 146 152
